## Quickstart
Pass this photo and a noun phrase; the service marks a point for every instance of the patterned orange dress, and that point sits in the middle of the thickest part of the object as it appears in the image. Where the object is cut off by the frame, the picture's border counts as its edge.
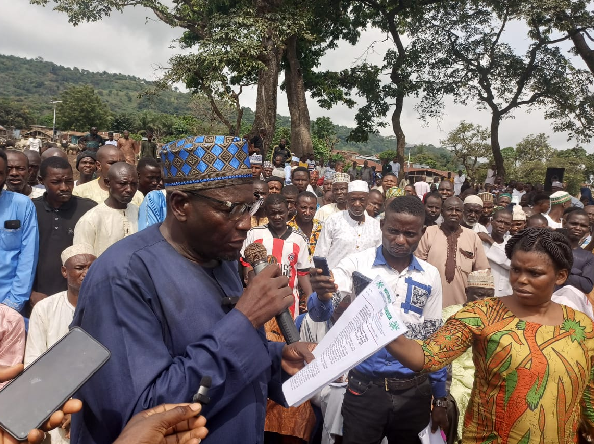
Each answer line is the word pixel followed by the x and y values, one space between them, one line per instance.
pixel 532 382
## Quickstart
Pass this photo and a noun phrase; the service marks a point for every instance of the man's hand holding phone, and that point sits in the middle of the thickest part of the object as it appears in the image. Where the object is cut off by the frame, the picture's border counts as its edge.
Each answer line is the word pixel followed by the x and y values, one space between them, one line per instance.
pixel 36 436
pixel 323 285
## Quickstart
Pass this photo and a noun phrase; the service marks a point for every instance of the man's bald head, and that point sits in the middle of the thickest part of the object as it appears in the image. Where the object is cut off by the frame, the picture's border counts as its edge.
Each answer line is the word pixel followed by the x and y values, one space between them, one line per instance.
pixel 106 151
pixel 453 199
pixel 120 168
pixel 107 156
pixel 50 152
pixel 33 156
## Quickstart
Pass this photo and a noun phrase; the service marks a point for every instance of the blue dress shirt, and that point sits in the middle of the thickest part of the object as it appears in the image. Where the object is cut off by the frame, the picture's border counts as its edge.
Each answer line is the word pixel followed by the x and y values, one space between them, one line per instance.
pixel 19 249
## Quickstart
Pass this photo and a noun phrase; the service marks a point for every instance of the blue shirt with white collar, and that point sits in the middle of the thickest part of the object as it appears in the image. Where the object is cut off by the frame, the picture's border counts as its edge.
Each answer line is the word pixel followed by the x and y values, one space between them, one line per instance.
pixel 418 293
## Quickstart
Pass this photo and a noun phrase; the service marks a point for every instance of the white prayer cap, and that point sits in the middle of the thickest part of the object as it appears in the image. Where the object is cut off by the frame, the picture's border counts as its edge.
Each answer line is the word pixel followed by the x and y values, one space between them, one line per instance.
pixel 255 159
pixel 559 197
pixel 358 186
pixel 294 159
pixel 75 250
pixel 518 213
pixel 341 177
pixel 481 278
pixel 472 199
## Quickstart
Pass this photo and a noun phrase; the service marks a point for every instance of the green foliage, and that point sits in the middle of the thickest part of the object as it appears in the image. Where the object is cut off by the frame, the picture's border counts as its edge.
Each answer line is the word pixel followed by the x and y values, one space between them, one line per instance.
pixel 282 132
pixel 13 114
pixel 388 155
pixel 534 148
pixel 81 108
pixel 469 143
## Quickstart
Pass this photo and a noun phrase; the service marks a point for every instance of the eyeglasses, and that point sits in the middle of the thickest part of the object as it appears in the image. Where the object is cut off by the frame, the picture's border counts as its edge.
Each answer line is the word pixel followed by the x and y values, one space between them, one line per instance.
pixel 236 210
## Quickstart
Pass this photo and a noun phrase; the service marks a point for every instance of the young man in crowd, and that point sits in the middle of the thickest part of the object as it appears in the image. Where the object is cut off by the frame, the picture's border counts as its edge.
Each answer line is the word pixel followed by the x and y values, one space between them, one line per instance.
pixel 537 221
pixel 289 248
pixel 51 317
pixel 114 219
pixel 560 200
pixel 149 175
pixel 367 174
pixel 577 225
pixel 34 163
pixel 110 140
pixel 290 192
pixel 446 189
pixel 92 141
pixel 314 176
pixel 20 240
pixel 129 147
pixel 542 203
pixel 148 147
pixel 275 184
pixel 300 177
pixel 256 163
pixel 421 187
pixel 86 165
pixel 97 190
pixel 340 186
pixel 58 212
pixel 488 207
pixel 375 203
pixel 261 191
pixel 494 245
pixel 17 180
pixel 388 181
pixel 454 250
pixel 432 209
pixel 384 398
pixel 304 221
pixel 351 230
pixel 518 220
pixel 353 172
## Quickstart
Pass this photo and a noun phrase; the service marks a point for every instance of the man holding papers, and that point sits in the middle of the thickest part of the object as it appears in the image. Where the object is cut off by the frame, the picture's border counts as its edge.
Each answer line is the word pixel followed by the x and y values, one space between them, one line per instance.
pixel 384 398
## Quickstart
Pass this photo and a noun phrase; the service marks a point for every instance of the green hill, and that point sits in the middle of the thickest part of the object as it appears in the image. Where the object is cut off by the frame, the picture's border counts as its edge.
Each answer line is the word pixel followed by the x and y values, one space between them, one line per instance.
pixel 32 83
pixel 35 82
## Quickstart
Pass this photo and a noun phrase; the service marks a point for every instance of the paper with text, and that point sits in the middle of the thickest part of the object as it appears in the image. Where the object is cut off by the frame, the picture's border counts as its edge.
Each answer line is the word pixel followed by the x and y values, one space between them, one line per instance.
pixel 366 326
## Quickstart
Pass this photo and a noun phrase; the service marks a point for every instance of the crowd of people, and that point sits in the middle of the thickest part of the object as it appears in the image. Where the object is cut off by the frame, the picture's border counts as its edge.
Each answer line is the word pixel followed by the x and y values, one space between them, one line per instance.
pixel 145 252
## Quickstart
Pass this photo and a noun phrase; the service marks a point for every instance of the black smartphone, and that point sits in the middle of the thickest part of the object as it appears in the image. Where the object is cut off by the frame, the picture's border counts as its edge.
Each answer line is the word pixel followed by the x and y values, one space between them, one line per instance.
pixel 360 282
pixel 322 264
pixel 32 397
pixel 12 224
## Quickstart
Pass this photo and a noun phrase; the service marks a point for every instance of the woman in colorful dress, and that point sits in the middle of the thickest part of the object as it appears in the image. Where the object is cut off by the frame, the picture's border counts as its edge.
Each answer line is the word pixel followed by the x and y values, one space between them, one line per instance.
pixel 533 357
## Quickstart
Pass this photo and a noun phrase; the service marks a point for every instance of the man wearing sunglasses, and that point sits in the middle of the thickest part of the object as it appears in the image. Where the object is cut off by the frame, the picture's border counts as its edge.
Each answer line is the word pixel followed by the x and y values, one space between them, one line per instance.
pixel 170 306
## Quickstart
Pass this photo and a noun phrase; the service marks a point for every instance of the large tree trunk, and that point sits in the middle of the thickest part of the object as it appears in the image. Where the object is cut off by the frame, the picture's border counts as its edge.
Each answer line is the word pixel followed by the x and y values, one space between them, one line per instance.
pixel 582 48
pixel 300 122
pixel 495 147
pixel 265 114
pixel 398 131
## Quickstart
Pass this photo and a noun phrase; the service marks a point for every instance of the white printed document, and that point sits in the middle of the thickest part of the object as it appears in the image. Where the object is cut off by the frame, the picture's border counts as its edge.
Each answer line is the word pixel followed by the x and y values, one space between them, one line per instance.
pixel 366 326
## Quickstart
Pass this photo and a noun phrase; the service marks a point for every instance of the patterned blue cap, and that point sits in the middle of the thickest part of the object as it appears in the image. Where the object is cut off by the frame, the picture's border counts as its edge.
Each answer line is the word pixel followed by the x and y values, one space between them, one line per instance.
pixel 205 162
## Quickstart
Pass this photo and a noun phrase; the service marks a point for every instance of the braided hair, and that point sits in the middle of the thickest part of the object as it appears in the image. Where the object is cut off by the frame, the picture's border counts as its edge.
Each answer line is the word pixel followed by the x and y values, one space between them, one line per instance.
pixel 543 240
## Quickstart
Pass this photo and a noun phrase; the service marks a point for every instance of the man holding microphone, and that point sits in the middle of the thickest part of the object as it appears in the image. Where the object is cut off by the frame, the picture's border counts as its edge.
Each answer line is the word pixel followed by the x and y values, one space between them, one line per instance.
pixel 169 305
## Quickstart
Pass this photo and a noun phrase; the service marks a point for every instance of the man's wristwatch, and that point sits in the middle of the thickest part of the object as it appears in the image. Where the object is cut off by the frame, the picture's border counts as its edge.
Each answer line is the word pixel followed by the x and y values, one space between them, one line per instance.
pixel 440 402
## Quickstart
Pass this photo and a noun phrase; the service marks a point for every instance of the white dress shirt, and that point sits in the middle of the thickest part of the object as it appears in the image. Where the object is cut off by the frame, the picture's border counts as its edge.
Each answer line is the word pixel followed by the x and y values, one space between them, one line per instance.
pixel 342 235
pixel 500 266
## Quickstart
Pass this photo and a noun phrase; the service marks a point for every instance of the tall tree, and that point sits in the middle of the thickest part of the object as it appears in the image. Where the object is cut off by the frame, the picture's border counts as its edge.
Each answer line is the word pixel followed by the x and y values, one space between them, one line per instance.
pixel 82 108
pixel 462 52
pixel 469 143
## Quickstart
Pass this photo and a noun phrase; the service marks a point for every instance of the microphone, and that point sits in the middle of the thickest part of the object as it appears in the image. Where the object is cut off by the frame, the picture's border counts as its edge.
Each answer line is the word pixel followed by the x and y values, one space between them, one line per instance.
pixel 256 255
pixel 202 395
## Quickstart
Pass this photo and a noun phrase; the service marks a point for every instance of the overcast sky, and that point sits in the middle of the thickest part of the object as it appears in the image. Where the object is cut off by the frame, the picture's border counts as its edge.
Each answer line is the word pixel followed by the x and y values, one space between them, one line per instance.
pixel 135 43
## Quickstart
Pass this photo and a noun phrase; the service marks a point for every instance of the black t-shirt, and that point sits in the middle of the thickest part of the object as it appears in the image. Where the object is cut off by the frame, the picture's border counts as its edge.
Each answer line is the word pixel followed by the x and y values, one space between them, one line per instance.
pixel 56 232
